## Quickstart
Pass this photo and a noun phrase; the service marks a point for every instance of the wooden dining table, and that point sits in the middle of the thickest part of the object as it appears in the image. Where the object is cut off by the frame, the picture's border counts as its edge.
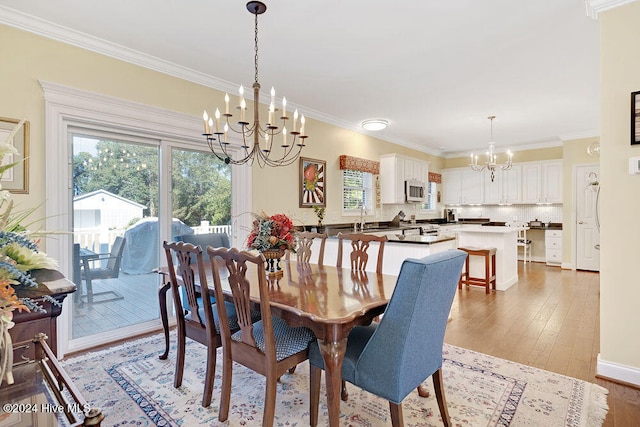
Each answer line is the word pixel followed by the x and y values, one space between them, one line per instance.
pixel 328 300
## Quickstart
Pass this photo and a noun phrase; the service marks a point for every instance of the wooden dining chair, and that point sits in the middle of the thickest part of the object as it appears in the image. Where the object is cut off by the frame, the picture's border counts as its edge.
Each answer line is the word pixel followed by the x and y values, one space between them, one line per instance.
pixel 270 346
pixel 395 356
pixel 304 241
pixel 196 319
pixel 360 244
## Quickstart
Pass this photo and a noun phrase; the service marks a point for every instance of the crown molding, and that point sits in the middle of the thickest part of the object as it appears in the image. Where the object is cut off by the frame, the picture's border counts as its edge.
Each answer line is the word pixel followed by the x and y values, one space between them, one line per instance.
pixel 32 24
pixel 594 7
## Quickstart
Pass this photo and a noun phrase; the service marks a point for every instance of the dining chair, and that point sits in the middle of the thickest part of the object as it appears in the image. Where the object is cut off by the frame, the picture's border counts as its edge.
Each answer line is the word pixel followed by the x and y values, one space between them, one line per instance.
pixel 269 347
pixel 360 244
pixel 304 240
pixel 395 356
pixel 197 320
pixel 100 267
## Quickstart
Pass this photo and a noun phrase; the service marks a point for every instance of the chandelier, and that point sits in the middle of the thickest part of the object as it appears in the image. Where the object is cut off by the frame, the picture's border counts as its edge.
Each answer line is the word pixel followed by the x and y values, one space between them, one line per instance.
pixel 259 142
pixel 491 164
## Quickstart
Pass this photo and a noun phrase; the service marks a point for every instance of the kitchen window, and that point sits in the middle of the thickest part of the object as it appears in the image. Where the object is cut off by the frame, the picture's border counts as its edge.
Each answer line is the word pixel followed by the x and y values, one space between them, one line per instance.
pixel 430 202
pixel 357 191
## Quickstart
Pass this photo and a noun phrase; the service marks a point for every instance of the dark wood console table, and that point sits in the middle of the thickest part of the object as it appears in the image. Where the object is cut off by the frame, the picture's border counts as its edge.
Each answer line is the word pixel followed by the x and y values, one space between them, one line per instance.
pixel 27 325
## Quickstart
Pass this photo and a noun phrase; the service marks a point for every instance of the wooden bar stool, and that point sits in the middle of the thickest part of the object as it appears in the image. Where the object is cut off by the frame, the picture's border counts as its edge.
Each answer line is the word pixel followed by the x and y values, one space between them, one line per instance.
pixel 489 278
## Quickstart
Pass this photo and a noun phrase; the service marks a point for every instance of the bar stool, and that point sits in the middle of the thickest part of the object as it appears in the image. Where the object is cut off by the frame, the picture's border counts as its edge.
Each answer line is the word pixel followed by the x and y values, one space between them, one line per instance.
pixel 489 278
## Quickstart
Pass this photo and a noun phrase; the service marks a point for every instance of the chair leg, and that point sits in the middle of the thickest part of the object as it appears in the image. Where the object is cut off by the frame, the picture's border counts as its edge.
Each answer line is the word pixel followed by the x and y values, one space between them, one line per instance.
pixel 209 375
pixel 438 385
pixel 269 400
pixel 177 380
pixel 397 419
pixel 315 375
pixel 89 290
pixel 225 393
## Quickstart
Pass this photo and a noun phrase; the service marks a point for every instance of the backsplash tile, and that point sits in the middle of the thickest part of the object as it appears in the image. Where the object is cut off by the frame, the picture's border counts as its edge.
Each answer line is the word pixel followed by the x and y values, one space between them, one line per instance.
pixel 515 213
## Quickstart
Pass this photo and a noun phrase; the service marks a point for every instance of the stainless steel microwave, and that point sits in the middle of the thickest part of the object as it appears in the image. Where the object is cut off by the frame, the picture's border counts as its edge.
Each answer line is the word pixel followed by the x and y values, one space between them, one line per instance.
pixel 414 191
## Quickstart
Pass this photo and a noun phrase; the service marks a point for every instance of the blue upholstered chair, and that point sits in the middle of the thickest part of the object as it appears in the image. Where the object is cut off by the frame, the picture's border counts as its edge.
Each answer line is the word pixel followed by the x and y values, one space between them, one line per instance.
pixel 393 357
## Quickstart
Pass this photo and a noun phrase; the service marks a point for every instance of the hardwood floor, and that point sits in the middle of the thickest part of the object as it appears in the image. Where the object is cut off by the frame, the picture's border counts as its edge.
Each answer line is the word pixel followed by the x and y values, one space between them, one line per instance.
pixel 551 320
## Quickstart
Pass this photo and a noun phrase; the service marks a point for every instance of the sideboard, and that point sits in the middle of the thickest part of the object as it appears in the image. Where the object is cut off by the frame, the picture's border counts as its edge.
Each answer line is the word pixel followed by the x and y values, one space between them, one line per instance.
pixel 51 283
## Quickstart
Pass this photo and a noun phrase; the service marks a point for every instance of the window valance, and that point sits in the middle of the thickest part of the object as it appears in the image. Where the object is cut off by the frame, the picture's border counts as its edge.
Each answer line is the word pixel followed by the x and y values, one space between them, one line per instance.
pixel 435 177
pixel 360 165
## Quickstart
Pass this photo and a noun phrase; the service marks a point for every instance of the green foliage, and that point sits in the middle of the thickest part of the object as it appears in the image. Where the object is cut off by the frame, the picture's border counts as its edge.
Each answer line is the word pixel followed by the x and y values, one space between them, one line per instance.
pixel 201 184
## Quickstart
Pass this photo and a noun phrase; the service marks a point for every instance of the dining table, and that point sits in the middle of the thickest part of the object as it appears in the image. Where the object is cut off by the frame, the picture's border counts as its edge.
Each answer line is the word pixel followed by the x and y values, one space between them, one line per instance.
pixel 329 300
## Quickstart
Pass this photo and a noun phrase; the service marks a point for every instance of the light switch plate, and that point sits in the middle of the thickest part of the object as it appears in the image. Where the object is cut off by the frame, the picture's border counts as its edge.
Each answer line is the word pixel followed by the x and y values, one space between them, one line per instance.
pixel 634 165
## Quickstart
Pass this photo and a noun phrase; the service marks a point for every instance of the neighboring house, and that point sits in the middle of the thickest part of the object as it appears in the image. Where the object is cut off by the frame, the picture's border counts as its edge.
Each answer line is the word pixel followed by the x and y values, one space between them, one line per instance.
pixel 104 210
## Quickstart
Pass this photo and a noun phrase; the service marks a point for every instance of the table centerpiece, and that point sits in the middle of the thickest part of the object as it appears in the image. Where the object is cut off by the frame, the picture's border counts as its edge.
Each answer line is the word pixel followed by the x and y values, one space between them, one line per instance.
pixel 272 236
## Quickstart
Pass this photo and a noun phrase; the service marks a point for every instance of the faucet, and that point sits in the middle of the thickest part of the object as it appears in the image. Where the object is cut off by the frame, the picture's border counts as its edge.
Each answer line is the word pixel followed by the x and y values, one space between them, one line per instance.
pixel 360 223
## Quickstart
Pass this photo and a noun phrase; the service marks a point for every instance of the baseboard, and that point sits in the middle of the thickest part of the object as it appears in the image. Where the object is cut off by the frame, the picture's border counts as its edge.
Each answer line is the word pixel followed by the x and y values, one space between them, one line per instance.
pixel 618 372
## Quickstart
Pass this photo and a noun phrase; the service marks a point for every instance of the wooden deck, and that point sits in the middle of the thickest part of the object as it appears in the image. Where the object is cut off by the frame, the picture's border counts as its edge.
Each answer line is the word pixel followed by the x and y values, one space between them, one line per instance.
pixel 130 299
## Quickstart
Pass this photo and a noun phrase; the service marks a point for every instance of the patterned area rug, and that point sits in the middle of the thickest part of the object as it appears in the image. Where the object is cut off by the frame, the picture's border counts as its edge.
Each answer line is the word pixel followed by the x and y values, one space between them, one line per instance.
pixel 134 387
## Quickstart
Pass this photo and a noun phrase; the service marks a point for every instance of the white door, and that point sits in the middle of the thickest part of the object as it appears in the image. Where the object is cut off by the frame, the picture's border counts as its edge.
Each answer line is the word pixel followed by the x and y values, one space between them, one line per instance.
pixel 587 221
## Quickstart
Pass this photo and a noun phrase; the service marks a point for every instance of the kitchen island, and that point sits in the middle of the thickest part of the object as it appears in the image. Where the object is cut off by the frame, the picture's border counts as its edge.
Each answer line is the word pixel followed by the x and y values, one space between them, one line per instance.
pixel 504 239
pixel 398 248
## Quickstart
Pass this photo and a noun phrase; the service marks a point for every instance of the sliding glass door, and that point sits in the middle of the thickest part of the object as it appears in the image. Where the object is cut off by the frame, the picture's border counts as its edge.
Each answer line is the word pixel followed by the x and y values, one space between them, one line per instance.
pixel 118 223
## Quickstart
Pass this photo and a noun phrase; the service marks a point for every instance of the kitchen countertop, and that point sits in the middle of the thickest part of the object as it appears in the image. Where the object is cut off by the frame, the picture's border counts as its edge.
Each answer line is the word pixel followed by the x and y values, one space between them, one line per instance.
pixel 428 239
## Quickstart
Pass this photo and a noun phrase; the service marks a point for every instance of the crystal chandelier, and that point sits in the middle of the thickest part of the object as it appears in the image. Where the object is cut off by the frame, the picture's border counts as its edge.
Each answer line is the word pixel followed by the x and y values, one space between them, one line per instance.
pixel 259 142
pixel 490 164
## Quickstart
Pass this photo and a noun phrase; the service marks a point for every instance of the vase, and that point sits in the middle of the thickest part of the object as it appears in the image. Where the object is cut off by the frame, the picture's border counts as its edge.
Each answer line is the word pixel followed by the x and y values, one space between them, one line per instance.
pixel 273 257
pixel 6 353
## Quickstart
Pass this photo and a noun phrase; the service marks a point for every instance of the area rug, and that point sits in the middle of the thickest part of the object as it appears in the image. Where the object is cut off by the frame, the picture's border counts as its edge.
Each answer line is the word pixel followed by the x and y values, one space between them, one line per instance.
pixel 135 388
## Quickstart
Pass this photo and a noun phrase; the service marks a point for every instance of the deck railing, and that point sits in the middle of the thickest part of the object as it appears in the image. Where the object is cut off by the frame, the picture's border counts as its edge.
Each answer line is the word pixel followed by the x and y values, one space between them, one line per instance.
pixel 93 238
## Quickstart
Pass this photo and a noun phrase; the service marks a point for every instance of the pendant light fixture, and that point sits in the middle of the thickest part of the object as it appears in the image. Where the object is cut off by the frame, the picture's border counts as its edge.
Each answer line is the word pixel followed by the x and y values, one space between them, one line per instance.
pixel 267 144
pixel 491 163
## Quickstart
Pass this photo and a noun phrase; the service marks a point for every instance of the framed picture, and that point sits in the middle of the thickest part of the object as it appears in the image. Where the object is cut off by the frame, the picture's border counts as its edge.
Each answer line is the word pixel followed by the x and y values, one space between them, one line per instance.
pixel 312 182
pixel 15 179
pixel 635 117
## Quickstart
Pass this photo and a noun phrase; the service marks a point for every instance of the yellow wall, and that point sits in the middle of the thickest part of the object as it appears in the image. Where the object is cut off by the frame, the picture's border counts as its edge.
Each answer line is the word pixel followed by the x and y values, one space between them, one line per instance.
pixel 28 58
pixel 620 196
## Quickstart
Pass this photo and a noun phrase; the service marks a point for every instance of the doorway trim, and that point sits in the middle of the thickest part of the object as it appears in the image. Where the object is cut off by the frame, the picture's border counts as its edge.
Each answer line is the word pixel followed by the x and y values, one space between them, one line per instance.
pixel 66 106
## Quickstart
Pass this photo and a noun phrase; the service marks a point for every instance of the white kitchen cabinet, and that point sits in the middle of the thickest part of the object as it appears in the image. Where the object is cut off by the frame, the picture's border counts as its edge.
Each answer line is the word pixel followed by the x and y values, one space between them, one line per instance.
pixel 505 188
pixel 542 182
pixel 394 171
pixel 553 247
pixel 462 186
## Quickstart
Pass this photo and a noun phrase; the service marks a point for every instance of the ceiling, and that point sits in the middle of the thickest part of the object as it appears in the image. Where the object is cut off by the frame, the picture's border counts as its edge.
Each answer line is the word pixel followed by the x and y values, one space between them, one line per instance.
pixel 434 69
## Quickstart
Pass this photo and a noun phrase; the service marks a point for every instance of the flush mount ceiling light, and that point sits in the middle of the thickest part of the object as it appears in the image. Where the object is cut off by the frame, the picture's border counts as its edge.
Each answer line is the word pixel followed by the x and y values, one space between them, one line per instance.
pixel 375 124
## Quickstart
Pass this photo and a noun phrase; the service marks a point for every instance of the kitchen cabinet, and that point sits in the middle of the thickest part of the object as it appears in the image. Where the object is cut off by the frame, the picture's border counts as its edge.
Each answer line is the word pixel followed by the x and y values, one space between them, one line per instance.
pixel 394 171
pixel 505 189
pixel 553 247
pixel 462 186
pixel 542 182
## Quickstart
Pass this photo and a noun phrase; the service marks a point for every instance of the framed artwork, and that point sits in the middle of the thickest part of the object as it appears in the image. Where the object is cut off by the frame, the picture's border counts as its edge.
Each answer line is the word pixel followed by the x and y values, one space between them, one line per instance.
pixel 312 182
pixel 635 117
pixel 15 179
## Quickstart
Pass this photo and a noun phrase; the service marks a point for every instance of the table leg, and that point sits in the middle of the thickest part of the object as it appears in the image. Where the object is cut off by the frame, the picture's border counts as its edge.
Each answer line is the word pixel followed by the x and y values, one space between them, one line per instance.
pixel 333 355
pixel 164 316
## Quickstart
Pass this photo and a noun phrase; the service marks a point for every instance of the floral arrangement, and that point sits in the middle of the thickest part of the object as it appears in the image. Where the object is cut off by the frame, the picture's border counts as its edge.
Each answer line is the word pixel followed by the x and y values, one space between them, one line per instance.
pixel 271 232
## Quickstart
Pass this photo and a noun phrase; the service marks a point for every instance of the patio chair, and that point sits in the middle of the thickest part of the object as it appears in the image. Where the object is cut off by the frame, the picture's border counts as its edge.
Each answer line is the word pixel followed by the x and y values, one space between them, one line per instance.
pixel 93 270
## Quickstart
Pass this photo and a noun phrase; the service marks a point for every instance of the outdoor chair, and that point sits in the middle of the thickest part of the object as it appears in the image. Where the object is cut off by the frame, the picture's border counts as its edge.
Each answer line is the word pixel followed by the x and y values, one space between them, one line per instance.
pixel 92 269
pixel 395 356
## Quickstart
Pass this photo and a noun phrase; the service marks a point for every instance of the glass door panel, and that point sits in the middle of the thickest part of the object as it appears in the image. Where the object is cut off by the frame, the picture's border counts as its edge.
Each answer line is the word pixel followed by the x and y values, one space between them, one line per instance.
pixel 200 193
pixel 116 234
